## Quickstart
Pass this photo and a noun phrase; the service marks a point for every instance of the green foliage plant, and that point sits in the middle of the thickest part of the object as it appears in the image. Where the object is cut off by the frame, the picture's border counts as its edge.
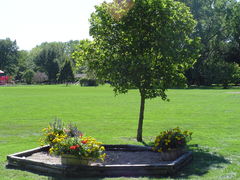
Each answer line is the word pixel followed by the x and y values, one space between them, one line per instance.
pixel 172 139
pixel 147 48
pixel 72 130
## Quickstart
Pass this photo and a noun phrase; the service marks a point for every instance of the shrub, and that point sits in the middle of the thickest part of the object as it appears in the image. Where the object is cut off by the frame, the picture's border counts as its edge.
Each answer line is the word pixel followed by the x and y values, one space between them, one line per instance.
pixel 88 82
pixel 28 76
pixel 40 77
pixel 221 72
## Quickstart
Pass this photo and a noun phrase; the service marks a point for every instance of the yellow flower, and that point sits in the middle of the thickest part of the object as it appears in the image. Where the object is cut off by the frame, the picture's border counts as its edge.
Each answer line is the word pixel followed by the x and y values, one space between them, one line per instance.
pixel 51 150
pixel 178 138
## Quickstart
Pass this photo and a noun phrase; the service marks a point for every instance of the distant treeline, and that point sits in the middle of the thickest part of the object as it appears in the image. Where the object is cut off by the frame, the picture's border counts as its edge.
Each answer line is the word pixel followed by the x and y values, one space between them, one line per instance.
pixel 218 25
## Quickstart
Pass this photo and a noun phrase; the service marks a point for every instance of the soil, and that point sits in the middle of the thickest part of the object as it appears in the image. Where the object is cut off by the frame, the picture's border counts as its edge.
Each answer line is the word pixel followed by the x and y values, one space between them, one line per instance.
pixel 112 158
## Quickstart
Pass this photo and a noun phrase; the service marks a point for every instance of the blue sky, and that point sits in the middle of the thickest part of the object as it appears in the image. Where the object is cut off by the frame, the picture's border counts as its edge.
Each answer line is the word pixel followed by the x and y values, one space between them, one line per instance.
pixel 31 22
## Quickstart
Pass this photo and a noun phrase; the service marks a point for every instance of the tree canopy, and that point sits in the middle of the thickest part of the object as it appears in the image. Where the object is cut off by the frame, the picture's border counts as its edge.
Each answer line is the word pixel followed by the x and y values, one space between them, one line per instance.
pixel 8 56
pixel 66 73
pixel 149 47
pixel 216 20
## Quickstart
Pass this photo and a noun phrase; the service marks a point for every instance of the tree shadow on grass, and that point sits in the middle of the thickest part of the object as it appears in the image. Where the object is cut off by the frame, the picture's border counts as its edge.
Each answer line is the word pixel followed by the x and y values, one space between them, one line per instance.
pixel 203 161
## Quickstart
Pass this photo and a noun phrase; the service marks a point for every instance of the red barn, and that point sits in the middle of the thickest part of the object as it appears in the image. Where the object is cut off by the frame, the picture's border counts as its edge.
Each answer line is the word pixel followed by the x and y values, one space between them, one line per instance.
pixel 3 78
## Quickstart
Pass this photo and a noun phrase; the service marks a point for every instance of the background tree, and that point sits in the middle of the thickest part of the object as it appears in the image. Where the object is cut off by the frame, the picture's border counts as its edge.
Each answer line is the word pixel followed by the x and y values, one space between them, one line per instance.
pixel 48 58
pixel 232 52
pixel 214 18
pixel 28 76
pixel 22 65
pixel 66 74
pixel 149 47
pixel 8 56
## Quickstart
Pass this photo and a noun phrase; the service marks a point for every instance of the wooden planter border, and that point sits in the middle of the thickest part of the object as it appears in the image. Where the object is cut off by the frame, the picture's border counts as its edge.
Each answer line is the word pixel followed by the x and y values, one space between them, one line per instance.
pixel 18 161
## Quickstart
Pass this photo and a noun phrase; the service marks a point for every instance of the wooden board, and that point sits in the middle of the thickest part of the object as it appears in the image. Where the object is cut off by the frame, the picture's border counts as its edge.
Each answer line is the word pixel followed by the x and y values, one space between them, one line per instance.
pixel 19 161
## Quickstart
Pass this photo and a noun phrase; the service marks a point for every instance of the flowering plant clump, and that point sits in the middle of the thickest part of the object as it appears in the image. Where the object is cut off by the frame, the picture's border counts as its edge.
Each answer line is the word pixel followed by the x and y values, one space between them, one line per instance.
pixel 80 146
pixel 69 140
pixel 172 139
pixel 56 132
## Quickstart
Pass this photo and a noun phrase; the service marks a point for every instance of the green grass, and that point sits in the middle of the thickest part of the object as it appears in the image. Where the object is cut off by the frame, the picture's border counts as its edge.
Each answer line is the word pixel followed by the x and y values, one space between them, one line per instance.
pixel 212 114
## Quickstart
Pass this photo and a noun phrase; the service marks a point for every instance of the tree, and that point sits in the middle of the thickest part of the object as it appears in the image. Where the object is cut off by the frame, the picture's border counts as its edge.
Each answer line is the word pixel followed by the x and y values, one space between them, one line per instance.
pixel 214 19
pixel 8 56
pixel 66 73
pixel 148 47
pixel 232 53
pixel 48 58
pixel 28 76
pixel 22 65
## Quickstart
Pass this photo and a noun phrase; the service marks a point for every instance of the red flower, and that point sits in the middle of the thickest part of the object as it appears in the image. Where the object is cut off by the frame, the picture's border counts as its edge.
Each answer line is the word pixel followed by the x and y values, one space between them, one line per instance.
pixel 73 147
pixel 84 141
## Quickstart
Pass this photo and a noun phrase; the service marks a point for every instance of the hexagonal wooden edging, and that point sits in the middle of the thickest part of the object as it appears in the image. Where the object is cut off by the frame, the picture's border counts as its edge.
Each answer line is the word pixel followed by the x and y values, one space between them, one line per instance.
pixel 19 161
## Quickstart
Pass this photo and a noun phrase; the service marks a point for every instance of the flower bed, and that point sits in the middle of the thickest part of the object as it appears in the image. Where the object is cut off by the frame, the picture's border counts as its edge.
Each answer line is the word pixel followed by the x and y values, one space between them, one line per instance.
pixel 70 153
pixel 69 143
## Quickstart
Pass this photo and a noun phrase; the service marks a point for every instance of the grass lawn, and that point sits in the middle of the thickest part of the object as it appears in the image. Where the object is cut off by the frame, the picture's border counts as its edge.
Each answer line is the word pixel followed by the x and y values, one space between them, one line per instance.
pixel 212 114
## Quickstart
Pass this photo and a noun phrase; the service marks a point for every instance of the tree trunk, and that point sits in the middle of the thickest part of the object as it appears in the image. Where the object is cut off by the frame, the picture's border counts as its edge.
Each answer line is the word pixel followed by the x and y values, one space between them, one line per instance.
pixel 141 116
